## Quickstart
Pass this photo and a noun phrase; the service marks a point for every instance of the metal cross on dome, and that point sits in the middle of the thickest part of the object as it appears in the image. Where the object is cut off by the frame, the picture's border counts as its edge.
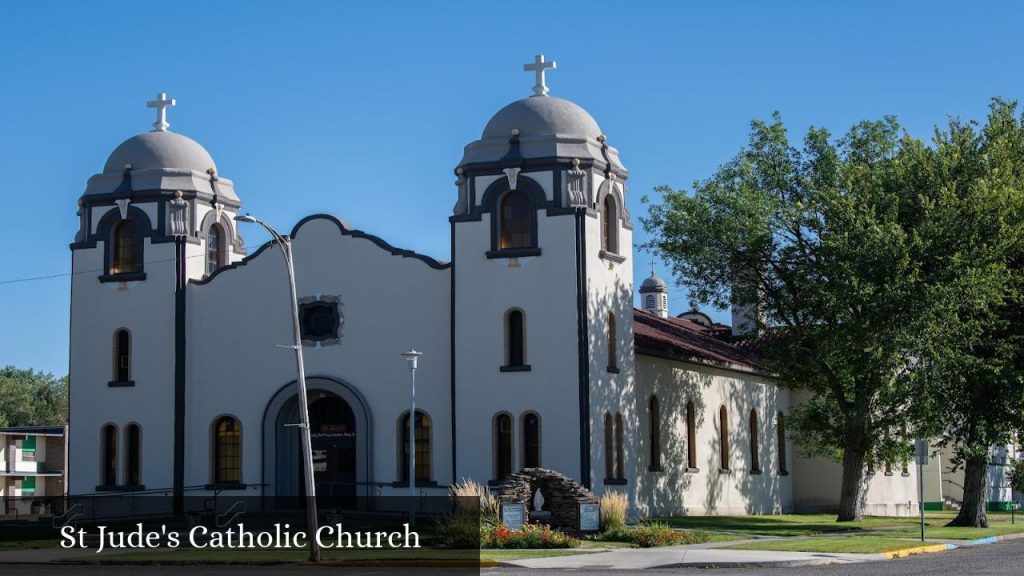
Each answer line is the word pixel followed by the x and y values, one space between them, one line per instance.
pixel 162 103
pixel 538 67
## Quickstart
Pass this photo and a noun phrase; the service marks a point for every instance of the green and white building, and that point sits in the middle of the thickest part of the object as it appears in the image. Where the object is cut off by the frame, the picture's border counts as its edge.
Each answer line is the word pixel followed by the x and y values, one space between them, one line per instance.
pixel 33 461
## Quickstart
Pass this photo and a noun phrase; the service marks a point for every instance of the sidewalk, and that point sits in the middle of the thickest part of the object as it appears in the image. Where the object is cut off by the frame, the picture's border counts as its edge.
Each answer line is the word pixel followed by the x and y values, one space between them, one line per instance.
pixel 690 556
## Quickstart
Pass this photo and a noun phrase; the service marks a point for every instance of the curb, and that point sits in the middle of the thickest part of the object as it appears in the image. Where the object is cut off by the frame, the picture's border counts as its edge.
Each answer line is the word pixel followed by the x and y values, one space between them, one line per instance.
pixel 749 564
pixel 994 539
pixel 930 549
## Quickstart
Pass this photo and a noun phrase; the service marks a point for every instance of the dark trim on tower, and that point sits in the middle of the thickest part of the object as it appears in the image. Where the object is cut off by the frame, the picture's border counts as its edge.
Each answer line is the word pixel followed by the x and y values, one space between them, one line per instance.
pixel 71 354
pixel 181 280
pixel 451 354
pixel 495 167
pixel 583 350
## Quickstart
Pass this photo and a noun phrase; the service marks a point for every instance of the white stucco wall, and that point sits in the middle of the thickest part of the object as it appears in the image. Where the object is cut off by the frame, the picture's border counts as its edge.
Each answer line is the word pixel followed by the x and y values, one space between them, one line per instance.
pixel 818 483
pixel 544 287
pixel 708 490
pixel 98 309
pixel 238 321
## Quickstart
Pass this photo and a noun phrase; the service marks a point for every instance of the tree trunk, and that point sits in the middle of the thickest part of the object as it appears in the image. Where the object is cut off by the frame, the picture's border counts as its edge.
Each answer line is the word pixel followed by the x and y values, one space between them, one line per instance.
pixel 852 494
pixel 972 509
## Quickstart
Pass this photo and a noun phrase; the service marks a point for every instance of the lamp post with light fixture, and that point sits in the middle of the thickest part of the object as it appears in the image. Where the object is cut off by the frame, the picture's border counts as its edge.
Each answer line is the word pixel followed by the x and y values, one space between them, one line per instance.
pixel 307 446
pixel 411 358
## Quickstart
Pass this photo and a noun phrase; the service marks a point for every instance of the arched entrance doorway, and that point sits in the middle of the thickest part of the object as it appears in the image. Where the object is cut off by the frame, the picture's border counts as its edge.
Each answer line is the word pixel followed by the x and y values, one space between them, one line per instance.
pixel 340 437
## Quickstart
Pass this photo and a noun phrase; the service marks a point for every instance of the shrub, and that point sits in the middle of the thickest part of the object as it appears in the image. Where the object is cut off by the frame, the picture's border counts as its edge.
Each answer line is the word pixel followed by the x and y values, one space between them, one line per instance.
pixel 613 511
pixel 530 536
pixel 652 534
pixel 459 531
pixel 466 489
pixel 1016 476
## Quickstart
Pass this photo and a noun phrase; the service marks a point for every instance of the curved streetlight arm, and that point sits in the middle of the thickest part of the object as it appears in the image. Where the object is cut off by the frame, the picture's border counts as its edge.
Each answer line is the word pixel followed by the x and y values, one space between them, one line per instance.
pixel 250 219
pixel 307 445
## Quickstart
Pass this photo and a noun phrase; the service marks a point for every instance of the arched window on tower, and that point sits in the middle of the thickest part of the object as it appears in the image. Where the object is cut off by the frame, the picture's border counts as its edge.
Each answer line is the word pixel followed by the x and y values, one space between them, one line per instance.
pixel 609 446
pixel 613 344
pixel 755 454
pixel 610 230
pixel 691 436
pixel 515 339
pixel 108 455
pixel 227 451
pixel 780 431
pixel 655 434
pixel 423 447
pixel 214 248
pixel 126 253
pixel 620 455
pixel 133 455
pixel 122 356
pixel 531 440
pixel 502 446
pixel 723 430
pixel 516 222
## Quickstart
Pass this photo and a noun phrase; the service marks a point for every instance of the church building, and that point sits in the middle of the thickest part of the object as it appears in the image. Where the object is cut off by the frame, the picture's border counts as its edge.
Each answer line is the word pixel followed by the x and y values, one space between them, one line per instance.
pixel 533 352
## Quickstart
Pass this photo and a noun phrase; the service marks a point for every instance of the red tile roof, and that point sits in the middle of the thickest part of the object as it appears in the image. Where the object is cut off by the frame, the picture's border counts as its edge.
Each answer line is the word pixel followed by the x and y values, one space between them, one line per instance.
pixel 687 341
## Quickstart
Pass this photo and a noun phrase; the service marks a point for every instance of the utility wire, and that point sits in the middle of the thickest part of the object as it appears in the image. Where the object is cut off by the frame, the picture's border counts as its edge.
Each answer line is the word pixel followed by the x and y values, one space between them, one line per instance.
pixel 68 274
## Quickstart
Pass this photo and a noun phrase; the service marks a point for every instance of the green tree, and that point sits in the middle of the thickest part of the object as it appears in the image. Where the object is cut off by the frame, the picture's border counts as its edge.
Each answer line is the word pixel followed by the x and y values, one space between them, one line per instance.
pixel 825 243
pixel 975 379
pixel 29 398
pixel 1016 476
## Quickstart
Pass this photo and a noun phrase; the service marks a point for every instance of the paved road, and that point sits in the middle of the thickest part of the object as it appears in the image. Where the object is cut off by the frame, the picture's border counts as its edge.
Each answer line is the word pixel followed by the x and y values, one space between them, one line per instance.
pixel 1001 559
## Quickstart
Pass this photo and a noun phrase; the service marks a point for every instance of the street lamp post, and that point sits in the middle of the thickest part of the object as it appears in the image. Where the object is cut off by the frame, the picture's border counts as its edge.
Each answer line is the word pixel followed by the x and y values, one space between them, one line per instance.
pixel 307 446
pixel 410 360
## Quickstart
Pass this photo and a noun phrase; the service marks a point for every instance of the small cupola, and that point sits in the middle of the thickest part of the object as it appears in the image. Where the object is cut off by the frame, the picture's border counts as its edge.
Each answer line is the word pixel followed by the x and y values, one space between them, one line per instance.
pixel 654 296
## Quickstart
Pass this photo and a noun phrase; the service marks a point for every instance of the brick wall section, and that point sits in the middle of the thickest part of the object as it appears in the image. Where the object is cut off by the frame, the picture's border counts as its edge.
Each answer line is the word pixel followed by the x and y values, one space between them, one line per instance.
pixel 54 454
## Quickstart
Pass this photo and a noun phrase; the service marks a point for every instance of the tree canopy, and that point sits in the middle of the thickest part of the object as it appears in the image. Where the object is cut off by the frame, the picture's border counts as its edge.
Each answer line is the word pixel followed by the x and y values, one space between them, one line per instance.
pixel 862 262
pixel 29 398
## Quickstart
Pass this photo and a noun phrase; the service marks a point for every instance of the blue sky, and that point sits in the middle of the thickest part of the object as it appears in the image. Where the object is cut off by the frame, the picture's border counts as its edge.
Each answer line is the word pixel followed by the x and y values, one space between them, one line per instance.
pixel 362 109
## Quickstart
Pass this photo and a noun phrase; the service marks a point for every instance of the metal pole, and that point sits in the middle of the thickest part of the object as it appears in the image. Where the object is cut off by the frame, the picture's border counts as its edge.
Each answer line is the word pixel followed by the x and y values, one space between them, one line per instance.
pixel 412 448
pixel 920 495
pixel 307 445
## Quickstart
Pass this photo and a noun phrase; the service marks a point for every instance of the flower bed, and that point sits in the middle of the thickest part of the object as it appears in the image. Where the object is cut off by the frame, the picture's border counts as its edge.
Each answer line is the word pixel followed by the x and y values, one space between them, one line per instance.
pixel 530 536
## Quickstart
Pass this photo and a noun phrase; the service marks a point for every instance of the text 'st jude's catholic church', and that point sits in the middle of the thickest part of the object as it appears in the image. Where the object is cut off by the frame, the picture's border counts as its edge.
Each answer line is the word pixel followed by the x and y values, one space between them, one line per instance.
pixel 534 356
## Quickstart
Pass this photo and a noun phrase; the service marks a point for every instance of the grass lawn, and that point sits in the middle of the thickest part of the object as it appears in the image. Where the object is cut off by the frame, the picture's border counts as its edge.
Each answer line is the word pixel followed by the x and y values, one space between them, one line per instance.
pixel 724 537
pixel 937 530
pixel 783 524
pixel 814 524
pixel 836 544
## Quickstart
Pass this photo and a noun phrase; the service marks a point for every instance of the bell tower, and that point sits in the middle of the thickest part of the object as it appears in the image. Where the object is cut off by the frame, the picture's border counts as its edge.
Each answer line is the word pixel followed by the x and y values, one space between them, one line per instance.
pixel 157 216
pixel 542 264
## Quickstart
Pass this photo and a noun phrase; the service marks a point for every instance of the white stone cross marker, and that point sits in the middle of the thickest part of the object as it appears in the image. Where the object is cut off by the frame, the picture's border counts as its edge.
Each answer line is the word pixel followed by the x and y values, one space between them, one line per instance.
pixel 161 104
pixel 538 67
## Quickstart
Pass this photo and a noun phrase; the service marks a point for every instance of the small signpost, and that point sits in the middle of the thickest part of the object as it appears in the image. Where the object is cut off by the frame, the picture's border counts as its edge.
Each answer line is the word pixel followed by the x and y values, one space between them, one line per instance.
pixel 921 457
pixel 590 517
pixel 513 515
pixel 319 460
